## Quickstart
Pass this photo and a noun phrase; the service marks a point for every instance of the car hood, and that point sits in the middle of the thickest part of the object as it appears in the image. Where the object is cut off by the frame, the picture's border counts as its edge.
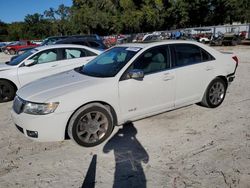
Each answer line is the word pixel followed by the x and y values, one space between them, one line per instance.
pixel 4 67
pixel 44 89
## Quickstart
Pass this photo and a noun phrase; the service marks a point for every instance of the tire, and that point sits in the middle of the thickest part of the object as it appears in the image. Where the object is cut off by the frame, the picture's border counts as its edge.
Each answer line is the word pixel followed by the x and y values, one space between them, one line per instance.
pixel 90 125
pixel 215 93
pixel 6 51
pixel 234 43
pixel 7 91
pixel 12 52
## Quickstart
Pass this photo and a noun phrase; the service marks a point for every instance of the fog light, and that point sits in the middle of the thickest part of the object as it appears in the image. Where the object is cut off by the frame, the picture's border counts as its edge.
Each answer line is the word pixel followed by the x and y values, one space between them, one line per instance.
pixel 33 134
pixel 230 79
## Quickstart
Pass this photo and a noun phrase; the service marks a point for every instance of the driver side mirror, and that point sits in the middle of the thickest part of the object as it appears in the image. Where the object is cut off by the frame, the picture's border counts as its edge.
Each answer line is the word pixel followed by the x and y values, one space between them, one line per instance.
pixel 29 62
pixel 136 74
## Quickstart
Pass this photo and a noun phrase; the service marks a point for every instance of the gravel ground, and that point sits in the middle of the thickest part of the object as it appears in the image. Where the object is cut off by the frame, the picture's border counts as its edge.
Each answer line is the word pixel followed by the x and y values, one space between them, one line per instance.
pixel 189 147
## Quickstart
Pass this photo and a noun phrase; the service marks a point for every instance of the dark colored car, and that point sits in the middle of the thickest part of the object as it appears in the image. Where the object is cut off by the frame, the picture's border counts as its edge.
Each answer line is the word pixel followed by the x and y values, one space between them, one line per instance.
pixel 54 39
pixel 93 43
pixel 227 39
pixel 90 37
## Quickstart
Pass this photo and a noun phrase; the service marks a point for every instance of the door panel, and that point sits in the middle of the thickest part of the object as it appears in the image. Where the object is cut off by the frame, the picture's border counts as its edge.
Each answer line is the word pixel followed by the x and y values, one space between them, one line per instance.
pixel 193 73
pixel 153 94
pixel 191 82
pixel 52 61
pixel 27 74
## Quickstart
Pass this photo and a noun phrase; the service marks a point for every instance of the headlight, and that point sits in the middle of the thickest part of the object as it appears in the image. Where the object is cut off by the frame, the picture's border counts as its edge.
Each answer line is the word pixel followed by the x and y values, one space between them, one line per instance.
pixel 40 108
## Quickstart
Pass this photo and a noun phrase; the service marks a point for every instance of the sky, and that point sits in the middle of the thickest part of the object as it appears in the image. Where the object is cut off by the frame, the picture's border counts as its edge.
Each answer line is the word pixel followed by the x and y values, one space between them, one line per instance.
pixel 16 10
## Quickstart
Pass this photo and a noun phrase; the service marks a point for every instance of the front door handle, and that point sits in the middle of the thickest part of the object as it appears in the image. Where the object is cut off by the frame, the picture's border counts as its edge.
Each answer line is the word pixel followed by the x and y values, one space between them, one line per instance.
pixel 208 68
pixel 168 76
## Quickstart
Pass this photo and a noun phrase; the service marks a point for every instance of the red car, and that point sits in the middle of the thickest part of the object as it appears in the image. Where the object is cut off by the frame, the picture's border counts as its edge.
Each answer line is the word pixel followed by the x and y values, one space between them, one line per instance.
pixel 14 47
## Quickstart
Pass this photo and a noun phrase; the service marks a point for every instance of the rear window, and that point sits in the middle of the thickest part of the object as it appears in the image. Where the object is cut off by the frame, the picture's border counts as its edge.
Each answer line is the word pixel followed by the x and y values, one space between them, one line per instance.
pixel 188 54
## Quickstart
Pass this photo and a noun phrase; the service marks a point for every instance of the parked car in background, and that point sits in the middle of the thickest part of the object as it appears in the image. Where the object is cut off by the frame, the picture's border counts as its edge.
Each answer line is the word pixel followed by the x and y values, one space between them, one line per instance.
pixel 204 40
pixel 54 39
pixel 123 84
pixel 14 47
pixel 3 48
pixel 93 43
pixel 41 62
pixel 226 39
pixel 2 44
pixel 230 39
pixel 150 37
pixel 90 37
pixel 47 41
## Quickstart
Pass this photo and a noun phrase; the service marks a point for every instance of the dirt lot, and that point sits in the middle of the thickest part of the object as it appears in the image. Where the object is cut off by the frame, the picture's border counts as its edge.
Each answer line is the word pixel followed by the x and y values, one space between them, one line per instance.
pixel 189 147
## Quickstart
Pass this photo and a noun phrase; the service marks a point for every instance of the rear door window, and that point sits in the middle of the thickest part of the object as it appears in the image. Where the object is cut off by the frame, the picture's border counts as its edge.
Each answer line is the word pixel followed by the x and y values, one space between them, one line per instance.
pixel 73 53
pixel 70 53
pixel 188 54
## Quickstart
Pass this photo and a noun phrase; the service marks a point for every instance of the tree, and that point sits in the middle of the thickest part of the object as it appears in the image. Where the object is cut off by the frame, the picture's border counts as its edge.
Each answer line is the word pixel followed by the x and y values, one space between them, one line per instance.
pixel 60 19
pixel 3 31
pixel 36 26
pixel 105 17
pixel 16 31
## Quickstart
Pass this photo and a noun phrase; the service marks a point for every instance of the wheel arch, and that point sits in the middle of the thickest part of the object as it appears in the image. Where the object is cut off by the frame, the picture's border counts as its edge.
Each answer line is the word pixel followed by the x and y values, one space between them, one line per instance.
pixel 11 82
pixel 13 49
pixel 112 111
pixel 224 79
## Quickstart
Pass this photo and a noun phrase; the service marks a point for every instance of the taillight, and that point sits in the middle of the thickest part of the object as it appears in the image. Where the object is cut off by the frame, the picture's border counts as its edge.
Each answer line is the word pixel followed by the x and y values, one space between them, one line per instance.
pixel 235 58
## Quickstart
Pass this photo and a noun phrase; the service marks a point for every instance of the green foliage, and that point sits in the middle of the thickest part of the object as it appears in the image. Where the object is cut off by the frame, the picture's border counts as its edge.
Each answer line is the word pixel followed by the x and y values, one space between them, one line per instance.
pixel 3 31
pixel 126 16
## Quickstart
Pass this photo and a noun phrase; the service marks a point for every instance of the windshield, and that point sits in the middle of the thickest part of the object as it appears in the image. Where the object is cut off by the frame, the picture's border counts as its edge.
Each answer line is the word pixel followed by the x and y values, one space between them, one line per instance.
pixel 109 63
pixel 21 57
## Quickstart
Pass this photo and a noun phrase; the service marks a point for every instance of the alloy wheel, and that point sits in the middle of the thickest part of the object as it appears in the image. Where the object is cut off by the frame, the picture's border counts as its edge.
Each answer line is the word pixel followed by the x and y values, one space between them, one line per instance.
pixel 92 127
pixel 216 93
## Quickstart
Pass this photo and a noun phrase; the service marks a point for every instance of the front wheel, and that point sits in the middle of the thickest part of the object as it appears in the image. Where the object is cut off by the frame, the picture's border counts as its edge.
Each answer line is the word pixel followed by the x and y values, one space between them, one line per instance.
pixel 12 52
pixel 7 91
pixel 91 125
pixel 215 93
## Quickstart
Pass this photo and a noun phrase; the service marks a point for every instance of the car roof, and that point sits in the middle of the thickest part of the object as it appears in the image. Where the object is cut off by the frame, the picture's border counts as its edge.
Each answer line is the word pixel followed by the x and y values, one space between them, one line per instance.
pixel 74 39
pixel 47 47
pixel 157 43
pixel 62 46
pixel 55 37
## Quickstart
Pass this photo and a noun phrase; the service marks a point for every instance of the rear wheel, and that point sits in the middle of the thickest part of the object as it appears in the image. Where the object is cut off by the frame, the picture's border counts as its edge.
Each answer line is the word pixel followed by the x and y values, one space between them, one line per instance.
pixel 7 91
pixel 215 93
pixel 90 125
pixel 12 52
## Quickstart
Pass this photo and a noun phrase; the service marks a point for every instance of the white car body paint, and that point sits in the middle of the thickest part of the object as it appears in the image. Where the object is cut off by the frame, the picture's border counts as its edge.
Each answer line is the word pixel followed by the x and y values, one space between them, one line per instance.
pixel 131 99
pixel 21 75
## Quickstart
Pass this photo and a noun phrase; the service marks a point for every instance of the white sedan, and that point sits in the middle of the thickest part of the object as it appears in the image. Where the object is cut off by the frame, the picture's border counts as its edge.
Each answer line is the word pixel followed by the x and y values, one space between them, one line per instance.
pixel 124 84
pixel 41 62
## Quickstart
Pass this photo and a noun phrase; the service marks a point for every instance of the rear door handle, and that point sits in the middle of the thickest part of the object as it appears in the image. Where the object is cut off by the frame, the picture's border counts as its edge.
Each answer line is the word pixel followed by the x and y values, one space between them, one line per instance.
pixel 208 68
pixel 168 76
pixel 54 65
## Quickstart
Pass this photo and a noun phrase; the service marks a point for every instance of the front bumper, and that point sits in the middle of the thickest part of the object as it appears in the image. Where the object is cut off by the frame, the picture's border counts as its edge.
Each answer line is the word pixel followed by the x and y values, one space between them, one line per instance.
pixel 44 128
